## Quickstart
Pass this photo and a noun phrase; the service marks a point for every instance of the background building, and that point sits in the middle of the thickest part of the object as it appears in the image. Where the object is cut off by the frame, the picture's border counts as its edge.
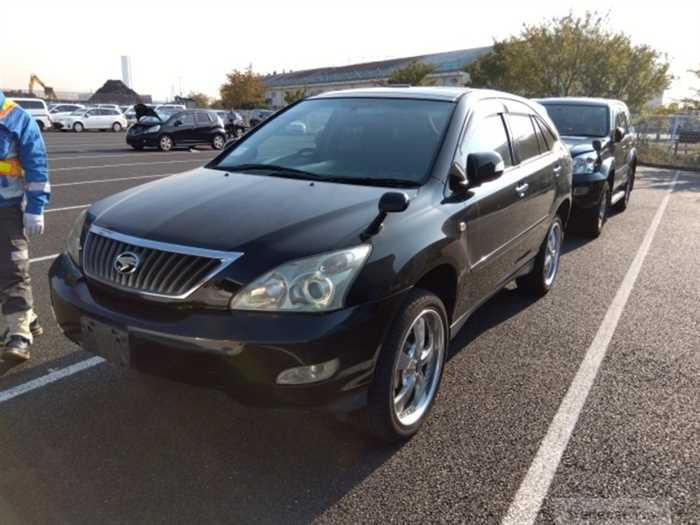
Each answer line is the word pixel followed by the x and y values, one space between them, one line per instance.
pixel 448 71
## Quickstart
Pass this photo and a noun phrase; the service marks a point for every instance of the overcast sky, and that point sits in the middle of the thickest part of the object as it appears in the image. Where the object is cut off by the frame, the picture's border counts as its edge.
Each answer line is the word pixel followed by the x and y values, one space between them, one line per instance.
pixel 76 45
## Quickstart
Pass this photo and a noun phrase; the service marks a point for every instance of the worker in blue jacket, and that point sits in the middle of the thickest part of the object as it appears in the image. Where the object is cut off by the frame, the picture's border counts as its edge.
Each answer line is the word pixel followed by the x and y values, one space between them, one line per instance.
pixel 24 191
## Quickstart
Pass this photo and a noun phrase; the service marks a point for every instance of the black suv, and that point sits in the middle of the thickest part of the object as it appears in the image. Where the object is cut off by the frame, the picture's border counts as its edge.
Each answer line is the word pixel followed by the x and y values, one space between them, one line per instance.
pixel 599 135
pixel 192 127
pixel 329 266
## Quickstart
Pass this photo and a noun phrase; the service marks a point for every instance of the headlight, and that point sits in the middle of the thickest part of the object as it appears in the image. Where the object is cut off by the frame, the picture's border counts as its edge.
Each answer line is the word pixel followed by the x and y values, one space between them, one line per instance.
pixel 74 245
pixel 152 129
pixel 318 283
pixel 585 163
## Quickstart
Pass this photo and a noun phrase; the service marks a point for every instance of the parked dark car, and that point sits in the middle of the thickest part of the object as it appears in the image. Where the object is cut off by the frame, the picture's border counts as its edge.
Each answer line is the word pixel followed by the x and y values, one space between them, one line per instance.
pixel 599 135
pixel 191 127
pixel 330 267
pixel 257 116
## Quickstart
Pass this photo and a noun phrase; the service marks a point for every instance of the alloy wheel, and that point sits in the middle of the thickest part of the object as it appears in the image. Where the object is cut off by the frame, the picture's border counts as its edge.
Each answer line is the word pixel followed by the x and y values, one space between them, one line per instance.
pixel 166 143
pixel 552 253
pixel 602 211
pixel 418 367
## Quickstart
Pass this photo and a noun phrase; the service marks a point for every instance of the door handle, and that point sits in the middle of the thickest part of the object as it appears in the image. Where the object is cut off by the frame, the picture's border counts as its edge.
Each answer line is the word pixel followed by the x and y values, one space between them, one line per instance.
pixel 522 188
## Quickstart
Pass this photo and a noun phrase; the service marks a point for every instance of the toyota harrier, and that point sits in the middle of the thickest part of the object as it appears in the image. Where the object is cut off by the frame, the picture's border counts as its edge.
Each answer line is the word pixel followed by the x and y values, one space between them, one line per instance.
pixel 329 266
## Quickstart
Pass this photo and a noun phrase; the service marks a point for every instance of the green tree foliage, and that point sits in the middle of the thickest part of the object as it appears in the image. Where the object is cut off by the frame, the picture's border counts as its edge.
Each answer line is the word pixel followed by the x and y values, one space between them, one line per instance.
pixel 694 102
pixel 200 99
pixel 243 90
pixel 413 74
pixel 573 56
pixel 290 97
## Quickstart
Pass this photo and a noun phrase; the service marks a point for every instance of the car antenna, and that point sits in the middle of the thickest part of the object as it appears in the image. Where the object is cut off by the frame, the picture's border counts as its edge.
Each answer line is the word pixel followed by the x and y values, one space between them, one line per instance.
pixel 390 202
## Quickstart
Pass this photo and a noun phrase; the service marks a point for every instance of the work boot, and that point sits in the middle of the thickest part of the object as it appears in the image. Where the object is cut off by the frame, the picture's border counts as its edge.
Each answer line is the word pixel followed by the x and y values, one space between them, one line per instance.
pixel 16 349
pixel 34 327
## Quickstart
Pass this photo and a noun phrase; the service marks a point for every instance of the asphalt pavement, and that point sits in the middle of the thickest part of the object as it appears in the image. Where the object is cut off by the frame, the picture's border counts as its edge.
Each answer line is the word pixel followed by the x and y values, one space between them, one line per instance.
pixel 101 445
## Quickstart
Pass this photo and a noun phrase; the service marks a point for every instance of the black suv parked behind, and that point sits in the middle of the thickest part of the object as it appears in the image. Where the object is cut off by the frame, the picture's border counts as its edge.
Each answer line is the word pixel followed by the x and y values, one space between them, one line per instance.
pixel 330 266
pixel 599 136
pixel 192 127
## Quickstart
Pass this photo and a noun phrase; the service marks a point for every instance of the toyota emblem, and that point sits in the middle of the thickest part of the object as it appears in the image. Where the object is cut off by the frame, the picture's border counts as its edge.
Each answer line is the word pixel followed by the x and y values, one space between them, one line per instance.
pixel 126 263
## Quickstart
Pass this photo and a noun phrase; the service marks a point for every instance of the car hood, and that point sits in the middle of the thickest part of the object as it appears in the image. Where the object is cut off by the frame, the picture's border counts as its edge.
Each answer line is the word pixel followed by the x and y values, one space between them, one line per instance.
pixel 275 218
pixel 581 145
pixel 142 110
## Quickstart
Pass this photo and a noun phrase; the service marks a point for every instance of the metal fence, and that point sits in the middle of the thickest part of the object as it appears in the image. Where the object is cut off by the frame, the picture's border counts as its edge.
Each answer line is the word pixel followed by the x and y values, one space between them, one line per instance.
pixel 669 140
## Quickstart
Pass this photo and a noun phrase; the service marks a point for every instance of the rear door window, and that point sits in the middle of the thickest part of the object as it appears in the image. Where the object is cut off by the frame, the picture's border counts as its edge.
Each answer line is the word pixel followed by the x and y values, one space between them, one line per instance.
pixel 524 136
pixel 202 118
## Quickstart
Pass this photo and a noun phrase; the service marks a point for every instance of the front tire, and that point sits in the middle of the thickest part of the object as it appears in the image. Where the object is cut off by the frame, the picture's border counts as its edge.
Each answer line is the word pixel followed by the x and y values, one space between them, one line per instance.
pixel 595 218
pixel 541 279
pixel 165 143
pixel 116 127
pixel 409 369
pixel 78 127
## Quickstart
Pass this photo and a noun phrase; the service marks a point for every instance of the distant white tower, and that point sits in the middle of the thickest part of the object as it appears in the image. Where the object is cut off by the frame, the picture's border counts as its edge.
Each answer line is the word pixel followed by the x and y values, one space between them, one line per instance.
pixel 126 71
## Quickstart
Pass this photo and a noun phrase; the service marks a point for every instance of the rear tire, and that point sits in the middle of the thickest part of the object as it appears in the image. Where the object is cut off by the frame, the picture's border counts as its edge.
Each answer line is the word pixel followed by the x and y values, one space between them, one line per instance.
pixel 595 218
pixel 408 373
pixel 116 127
pixel 41 125
pixel 543 276
pixel 166 143
pixel 218 142
pixel 78 127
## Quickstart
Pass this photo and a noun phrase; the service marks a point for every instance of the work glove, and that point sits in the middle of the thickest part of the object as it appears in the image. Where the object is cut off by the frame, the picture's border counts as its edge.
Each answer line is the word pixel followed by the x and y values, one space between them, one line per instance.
pixel 33 224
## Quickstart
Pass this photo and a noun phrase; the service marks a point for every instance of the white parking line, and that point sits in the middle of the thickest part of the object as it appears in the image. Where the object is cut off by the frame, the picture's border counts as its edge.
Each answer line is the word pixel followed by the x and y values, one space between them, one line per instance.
pixel 51 377
pixel 533 489
pixel 132 155
pixel 66 208
pixel 118 179
pixel 44 258
pixel 124 165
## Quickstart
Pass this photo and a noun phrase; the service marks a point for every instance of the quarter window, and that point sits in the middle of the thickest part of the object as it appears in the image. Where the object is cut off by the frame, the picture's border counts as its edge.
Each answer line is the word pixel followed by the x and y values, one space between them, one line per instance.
pixel 524 135
pixel 488 134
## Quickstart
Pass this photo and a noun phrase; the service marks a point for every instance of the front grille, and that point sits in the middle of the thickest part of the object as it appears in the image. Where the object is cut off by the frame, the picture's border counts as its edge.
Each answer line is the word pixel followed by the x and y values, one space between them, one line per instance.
pixel 165 270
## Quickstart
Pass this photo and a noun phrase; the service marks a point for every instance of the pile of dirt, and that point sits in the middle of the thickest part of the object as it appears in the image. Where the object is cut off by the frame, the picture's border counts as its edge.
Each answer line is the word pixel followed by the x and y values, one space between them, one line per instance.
pixel 116 92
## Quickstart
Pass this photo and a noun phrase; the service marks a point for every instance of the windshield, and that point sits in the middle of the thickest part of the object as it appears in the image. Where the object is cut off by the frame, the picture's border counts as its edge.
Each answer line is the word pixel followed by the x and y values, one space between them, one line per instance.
pixel 362 141
pixel 580 120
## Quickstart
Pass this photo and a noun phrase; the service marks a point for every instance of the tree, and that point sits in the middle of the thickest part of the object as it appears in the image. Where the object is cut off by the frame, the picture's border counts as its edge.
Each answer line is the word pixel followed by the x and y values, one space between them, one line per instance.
pixel 243 90
pixel 290 97
pixel 200 99
pixel 693 104
pixel 573 56
pixel 413 74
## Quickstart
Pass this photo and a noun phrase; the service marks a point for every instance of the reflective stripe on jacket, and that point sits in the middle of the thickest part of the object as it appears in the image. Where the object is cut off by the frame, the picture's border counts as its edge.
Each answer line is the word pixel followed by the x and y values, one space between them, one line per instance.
pixel 23 163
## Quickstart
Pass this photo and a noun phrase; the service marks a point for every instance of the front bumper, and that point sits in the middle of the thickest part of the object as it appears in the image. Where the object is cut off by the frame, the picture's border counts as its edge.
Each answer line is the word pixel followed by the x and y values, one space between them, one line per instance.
pixel 142 139
pixel 587 189
pixel 240 353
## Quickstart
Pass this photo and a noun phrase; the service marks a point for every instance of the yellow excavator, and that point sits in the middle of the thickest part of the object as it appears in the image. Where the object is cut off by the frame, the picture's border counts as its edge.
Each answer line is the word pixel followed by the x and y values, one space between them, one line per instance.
pixel 49 93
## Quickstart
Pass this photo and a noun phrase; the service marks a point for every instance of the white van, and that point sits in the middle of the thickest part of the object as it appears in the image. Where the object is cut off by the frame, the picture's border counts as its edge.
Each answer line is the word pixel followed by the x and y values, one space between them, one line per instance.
pixel 36 107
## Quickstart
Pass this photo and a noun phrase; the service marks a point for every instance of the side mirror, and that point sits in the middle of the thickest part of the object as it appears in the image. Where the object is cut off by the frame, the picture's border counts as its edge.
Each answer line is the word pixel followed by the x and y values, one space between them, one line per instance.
pixel 390 202
pixel 482 167
pixel 597 145
pixel 177 123
pixel 393 202
pixel 618 134
pixel 458 179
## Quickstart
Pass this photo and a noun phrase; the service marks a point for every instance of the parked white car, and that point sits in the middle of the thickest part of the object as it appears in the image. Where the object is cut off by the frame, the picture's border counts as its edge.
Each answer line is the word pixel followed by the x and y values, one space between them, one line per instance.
pixel 37 108
pixel 58 111
pixel 96 118
pixel 116 107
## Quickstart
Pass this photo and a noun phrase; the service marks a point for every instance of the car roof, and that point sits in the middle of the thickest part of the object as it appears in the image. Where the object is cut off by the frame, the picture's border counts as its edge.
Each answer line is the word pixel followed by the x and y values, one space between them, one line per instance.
pixel 450 94
pixel 581 101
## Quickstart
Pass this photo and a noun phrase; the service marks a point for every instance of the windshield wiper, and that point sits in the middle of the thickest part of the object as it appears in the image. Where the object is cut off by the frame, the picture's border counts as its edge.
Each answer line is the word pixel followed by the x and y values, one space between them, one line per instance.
pixel 375 181
pixel 272 168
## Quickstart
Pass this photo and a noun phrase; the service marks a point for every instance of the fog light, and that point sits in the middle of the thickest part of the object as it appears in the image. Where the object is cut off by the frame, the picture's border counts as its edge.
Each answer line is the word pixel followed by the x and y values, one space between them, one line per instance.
pixel 308 374
pixel 581 190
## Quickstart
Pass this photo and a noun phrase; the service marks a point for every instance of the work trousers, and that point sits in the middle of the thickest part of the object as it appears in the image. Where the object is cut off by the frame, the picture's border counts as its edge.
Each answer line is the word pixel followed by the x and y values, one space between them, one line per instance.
pixel 15 285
